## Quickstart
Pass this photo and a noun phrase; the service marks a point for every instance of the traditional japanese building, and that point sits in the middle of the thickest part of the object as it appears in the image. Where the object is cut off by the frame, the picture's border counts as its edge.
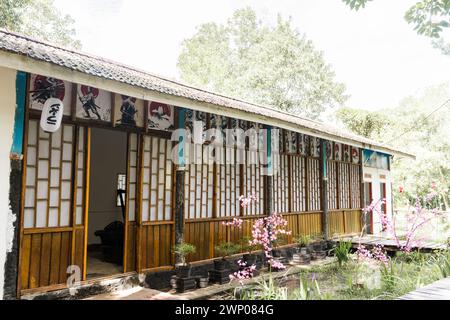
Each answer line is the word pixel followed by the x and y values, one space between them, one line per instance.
pixel 87 143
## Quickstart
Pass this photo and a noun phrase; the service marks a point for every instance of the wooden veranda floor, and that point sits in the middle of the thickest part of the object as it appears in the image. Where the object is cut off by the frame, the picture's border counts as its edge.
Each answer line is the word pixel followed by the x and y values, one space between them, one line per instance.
pixel 388 243
pixel 439 290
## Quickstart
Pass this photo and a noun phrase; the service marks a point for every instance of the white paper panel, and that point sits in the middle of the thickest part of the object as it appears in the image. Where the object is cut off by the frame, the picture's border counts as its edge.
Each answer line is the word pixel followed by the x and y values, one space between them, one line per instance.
pixel 81 160
pixel 42 191
pixel 133 158
pixel 154 166
pixel 161 211
pixel 54 178
pixel 132 175
pixel 54 197
pixel 43 169
pixel 43 134
pixel 145 192
pixel 153 182
pixel 146 159
pixel 67 151
pixel 145 210
pixel 132 191
pixel 32 130
pixel 153 197
pixel 81 139
pixel 65 190
pixel 79 196
pixel 29 197
pixel 131 209
pixel 68 131
pixel 80 178
pixel 146 143
pixel 56 139
pixel 154 148
pixel 133 141
pixel 153 214
pixel 53 217
pixel 31 156
pixel 65 213
pixel 31 176
pixel 56 158
pixel 162 145
pixel 161 176
pixel 79 215
pixel 41 214
pixel 66 170
pixel 168 213
pixel 28 217
pixel 146 175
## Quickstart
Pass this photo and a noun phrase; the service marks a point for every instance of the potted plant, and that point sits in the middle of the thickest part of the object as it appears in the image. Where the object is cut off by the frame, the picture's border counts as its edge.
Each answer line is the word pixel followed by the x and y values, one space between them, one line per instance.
pixel 249 257
pixel 183 250
pixel 303 241
pixel 276 251
pixel 225 249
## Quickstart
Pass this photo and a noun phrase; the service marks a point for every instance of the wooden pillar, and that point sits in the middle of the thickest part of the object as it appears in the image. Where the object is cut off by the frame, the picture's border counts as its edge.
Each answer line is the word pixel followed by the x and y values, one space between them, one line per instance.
pixel 363 219
pixel 268 209
pixel 324 187
pixel 180 182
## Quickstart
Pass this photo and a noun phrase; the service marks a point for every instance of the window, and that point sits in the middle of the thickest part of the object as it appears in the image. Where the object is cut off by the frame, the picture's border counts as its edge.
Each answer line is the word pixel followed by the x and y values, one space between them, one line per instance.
pixel 121 182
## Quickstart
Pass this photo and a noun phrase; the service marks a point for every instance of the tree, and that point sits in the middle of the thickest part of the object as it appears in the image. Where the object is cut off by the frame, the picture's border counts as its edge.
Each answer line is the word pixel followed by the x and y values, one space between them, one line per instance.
pixel 419 125
pixel 429 18
pixel 39 19
pixel 364 123
pixel 269 65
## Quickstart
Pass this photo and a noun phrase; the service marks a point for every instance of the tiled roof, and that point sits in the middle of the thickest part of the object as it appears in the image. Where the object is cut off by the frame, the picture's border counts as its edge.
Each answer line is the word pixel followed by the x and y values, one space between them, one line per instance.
pixel 103 68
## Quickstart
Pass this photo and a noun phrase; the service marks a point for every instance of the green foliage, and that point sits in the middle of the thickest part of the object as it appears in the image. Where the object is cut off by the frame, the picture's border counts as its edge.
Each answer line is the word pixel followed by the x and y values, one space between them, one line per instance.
pixel 246 246
pixel 265 290
pixel 269 65
pixel 226 249
pixel 369 124
pixel 303 240
pixel 389 276
pixel 418 126
pixel 39 19
pixel 342 251
pixel 308 290
pixel 430 18
pixel 184 249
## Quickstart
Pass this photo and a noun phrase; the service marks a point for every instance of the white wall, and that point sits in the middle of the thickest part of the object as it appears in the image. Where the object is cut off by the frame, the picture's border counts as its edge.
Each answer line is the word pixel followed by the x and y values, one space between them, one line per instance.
pixel 108 158
pixel 7 111
pixel 376 178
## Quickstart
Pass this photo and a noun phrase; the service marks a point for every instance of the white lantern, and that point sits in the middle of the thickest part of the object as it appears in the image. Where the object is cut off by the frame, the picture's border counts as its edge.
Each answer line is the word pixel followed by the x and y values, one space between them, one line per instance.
pixel 51 116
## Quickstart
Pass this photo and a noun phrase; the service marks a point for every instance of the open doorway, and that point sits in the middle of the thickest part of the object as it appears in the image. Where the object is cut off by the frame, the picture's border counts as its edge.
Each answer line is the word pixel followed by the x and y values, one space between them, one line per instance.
pixel 108 164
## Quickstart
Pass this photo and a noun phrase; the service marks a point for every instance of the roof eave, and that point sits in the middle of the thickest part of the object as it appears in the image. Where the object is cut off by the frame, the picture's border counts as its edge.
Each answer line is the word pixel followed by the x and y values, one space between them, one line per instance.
pixel 21 62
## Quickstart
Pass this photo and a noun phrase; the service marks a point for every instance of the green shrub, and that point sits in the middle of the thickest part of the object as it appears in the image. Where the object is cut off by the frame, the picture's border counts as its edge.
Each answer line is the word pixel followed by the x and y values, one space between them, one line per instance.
pixel 303 240
pixel 226 249
pixel 342 251
pixel 183 250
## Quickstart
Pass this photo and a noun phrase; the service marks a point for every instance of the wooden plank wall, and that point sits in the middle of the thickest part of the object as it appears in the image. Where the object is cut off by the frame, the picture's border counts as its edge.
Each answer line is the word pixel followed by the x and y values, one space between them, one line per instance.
pixel 156 245
pixel 45 258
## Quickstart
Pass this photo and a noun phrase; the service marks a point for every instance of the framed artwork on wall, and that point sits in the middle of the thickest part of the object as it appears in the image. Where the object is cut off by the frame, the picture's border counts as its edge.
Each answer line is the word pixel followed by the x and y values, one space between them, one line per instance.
pixel 43 88
pixel 128 111
pixel 93 104
pixel 160 116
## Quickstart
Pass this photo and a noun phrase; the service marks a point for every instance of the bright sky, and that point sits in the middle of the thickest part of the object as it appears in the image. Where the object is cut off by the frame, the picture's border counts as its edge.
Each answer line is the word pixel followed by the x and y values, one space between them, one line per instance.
pixel 373 51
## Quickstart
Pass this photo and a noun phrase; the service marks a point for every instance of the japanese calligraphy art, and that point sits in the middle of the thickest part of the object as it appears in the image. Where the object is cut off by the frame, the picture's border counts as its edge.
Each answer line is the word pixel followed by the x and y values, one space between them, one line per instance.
pixel 128 111
pixel 346 153
pixel 290 142
pixel 355 155
pixel 43 88
pixel 160 116
pixel 306 145
pixel 329 145
pixel 93 103
pixel 337 151
pixel 316 150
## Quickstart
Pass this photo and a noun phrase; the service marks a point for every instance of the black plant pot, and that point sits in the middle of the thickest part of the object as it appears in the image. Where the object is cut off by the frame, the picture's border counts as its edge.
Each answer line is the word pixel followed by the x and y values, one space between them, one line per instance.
pixel 221 264
pixel 184 284
pixel 277 253
pixel 184 271
pixel 250 259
